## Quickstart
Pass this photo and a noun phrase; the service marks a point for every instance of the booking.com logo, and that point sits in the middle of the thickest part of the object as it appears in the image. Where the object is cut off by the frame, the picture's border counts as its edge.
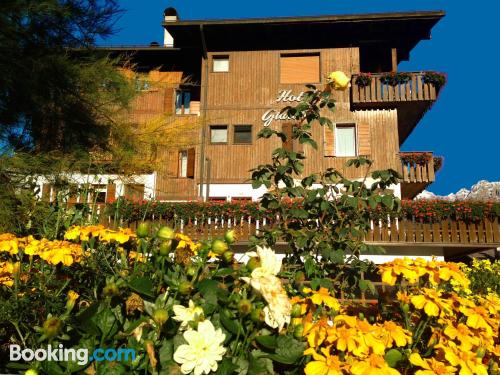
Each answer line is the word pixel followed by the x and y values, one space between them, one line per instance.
pixel 80 356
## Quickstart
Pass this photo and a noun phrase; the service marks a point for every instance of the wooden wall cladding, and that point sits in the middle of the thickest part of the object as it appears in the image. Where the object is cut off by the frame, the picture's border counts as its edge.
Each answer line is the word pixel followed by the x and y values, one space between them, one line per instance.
pixel 251 87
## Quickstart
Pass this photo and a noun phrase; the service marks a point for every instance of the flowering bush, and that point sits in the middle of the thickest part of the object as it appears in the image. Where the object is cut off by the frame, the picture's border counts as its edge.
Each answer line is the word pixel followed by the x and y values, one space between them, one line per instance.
pixel 189 307
pixel 420 158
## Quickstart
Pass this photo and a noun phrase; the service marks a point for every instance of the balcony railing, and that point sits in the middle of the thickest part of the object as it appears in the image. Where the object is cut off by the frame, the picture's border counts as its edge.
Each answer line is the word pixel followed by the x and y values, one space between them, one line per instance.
pixel 448 232
pixel 378 92
pixel 417 167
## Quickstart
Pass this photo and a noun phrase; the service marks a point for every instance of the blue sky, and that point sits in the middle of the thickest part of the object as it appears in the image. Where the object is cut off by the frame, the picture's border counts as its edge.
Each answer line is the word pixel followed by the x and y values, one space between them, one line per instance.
pixel 461 126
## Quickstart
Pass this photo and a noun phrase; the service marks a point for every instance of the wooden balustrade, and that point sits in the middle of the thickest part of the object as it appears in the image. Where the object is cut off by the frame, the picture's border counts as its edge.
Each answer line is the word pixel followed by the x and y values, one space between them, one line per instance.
pixel 402 231
pixel 417 171
pixel 413 90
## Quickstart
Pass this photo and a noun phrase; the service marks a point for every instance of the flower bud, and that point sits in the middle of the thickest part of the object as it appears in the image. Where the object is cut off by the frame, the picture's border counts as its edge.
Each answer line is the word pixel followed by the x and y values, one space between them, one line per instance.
pixel 31 371
pixel 296 310
pixel 72 297
pixel 110 290
pixel 244 306
pixel 228 256
pixel 165 233
pixel 142 230
pixel 230 236
pixel 253 263
pixel 52 327
pixel 256 315
pixel 298 332
pixel 160 316
pixel 219 247
pixel 165 247
pixel 185 287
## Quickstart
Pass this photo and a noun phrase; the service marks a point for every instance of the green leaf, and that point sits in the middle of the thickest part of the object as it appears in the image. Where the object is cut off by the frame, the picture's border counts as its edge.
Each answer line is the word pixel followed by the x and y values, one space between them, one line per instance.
pixel 107 323
pixel 142 285
pixel 258 365
pixel 392 357
pixel 226 367
pixel 166 351
pixel 268 341
pixel 388 201
pixel 232 325
pixel 289 350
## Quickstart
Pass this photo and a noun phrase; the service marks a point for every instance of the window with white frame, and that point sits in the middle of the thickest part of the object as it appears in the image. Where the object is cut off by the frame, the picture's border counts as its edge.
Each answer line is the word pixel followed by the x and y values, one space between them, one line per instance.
pixel 345 140
pixel 220 63
pixel 218 134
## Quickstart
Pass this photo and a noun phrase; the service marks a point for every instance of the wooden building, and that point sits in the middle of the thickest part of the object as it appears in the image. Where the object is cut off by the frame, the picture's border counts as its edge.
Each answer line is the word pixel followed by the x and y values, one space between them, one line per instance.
pixel 241 73
pixel 224 80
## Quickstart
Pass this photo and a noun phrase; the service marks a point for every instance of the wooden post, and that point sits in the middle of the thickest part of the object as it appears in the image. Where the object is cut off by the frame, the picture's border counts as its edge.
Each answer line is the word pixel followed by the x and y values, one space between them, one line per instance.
pixel 394 58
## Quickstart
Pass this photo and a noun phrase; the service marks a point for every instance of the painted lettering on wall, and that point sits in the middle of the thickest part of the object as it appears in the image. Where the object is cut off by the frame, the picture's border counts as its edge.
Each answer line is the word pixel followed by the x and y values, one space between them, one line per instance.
pixel 284 96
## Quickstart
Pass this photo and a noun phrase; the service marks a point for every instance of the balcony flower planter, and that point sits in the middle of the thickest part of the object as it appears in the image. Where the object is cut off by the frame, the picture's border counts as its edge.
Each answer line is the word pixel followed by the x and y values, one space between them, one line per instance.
pixel 418 158
pixel 394 79
pixel 363 80
pixel 438 163
pixel 435 79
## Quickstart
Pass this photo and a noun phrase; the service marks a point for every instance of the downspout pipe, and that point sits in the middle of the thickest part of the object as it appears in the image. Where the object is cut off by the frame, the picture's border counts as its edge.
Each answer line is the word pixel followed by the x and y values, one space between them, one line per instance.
pixel 204 111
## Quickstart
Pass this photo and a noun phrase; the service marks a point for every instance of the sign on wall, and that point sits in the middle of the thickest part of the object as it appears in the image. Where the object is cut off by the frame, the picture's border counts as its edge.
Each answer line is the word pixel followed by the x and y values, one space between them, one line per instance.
pixel 284 96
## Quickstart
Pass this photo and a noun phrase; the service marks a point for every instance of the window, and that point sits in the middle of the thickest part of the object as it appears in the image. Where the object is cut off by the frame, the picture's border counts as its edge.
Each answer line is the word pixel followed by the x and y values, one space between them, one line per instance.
pixel 221 63
pixel 299 68
pixel 186 162
pixel 217 199
pixel 241 199
pixel 242 134
pixel 182 102
pixel 345 140
pixel 218 134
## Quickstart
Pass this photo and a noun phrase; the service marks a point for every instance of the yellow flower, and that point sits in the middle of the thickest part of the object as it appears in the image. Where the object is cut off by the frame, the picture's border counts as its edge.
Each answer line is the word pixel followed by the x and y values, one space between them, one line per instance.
pixel 478 317
pixel 339 80
pixel 394 333
pixel 322 296
pixel 469 363
pixel 430 366
pixel 7 272
pixel 431 302
pixel 463 334
pixel 325 364
pixel 9 243
pixel 347 339
pixel 316 332
pixel 374 365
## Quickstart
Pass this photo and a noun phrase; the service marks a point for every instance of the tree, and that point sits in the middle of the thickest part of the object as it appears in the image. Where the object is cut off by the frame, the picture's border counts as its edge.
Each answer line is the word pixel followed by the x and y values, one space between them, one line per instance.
pixel 57 92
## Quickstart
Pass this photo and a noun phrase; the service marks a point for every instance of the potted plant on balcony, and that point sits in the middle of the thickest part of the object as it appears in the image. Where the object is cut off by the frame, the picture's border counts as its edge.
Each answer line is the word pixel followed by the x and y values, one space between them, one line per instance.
pixel 395 78
pixel 438 163
pixel 363 80
pixel 435 79
pixel 419 158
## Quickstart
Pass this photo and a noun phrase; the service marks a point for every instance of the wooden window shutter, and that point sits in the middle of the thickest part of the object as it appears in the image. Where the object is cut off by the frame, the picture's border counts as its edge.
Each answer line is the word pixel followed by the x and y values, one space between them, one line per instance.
pixel 46 188
pixel 110 193
pixel 329 142
pixel 172 167
pixel 299 69
pixel 190 165
pixel 364 146
pixel 286 128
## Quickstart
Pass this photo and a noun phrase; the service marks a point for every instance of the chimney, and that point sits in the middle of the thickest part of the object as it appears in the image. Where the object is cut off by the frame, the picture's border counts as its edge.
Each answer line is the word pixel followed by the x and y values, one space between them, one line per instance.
pixel 169 15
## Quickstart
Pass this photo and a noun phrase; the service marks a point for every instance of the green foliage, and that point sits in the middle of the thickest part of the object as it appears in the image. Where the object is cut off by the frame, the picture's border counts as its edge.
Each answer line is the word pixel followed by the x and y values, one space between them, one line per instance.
pixel 484 275
pixel 323 216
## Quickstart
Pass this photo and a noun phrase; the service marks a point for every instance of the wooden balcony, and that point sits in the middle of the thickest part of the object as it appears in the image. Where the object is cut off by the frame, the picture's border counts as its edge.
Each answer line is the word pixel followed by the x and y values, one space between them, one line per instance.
pixel 453 237
pixel 417 170
pixel 412 99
